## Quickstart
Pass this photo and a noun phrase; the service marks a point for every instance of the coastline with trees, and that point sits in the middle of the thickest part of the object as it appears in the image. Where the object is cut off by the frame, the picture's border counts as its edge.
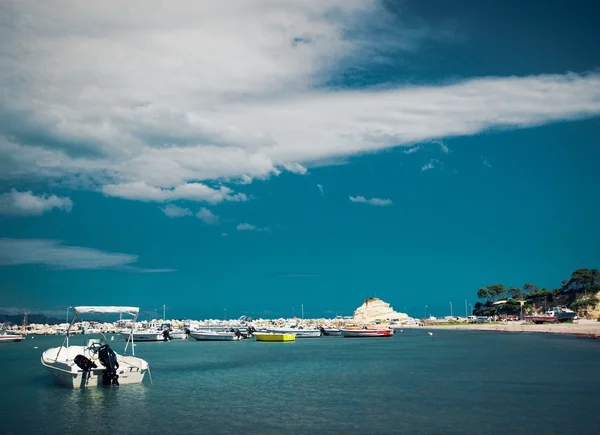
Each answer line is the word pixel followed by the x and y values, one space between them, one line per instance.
pixel 581 293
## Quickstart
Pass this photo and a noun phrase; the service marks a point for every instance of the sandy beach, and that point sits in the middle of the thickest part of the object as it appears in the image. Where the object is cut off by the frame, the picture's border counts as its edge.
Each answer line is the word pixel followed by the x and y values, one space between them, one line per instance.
pixel 582 328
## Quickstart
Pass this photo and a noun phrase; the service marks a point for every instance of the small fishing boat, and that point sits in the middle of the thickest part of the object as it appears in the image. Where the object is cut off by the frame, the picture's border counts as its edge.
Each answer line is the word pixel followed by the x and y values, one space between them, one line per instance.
pixel 564 314
pixel 541 318
pixel 272 336
pixel 299 332
pixel 95 363
pixel 207 335
pixel 555 315
pixel 5 337
pixel 144 335
pixel 178 334
pixel 366 332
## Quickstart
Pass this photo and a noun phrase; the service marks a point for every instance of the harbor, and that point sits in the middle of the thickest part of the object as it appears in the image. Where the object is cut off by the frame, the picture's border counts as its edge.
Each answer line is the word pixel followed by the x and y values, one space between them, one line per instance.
pixel 263 386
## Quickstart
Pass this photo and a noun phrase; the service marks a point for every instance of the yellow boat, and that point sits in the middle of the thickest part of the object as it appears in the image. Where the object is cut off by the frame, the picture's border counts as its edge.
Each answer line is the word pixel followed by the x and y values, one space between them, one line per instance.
pixel 268 336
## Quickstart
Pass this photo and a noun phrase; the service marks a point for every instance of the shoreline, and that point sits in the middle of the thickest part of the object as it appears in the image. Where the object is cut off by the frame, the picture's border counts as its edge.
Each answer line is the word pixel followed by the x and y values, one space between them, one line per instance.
pixel 583 328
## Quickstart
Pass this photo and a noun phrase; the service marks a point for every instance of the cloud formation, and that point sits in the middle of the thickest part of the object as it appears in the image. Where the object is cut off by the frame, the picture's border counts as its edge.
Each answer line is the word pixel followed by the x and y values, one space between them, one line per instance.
pixel 443 147
pixel 54 254
pixel 412 150
pixel 430 165
pixel 250 227
pixel 207 216
pixel 372 201
pixel 14 203
pixel 173 211
pixel 321 190
pixel 137 105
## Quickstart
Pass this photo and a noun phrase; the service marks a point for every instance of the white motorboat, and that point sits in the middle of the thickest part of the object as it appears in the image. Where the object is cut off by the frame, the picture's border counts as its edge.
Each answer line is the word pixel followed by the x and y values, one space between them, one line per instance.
pixel 178 334
pixel 144 335
pixel 207 335
pixel 300 332
pixel 94 363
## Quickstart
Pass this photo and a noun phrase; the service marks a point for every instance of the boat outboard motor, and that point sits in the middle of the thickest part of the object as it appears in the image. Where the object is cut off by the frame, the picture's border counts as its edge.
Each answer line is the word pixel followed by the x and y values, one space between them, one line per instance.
pixel 108 358
pixel 238 334
pixel 251 330
pixel 85 364
pixel 323 331
pixel 167 335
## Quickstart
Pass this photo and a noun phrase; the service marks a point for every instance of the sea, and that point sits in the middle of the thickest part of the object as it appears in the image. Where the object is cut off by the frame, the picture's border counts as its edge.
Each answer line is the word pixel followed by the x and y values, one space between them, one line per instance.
pixel 451 382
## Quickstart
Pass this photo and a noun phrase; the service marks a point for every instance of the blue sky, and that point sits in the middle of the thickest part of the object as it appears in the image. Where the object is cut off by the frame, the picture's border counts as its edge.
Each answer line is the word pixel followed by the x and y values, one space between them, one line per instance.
pixel 259 157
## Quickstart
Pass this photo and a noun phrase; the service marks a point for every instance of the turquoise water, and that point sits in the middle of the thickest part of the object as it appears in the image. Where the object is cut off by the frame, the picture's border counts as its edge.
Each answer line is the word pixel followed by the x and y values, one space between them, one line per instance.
pixel 461 382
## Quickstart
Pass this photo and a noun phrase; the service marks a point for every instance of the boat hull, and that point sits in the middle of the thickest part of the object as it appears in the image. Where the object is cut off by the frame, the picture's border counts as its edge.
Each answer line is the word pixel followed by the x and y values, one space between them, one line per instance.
pixel 366 333
pixel 566 317
pixel 214 336
pixel 300 333
pixel 144 336
pixel 10 338
pixel 273 337
pixel 332 332
pixel 178 335
pixel 541 319
pixel 131 369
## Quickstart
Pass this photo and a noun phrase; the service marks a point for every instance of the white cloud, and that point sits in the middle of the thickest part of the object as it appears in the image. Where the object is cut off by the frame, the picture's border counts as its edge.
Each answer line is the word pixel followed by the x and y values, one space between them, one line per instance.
pixel 321 190
pixel 173 211
pixel 16 203
pixel 249 227
pixel 372 201
pixel 192 191
pixel 207 216
pixel 411 150
pixel 486 162
pixel 53 253
pixel 224 234
pixel 134 102
pixel 430 165
pixel 442 146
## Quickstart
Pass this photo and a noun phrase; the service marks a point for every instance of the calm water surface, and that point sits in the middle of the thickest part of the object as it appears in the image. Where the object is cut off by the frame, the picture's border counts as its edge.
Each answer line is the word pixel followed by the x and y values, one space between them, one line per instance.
pixel 461 382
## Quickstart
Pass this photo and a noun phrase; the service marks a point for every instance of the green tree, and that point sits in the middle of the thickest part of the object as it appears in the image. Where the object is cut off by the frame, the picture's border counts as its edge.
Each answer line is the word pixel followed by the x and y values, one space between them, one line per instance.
pixel 483 293
pixel 583 281
pixel 496 291
pixel 530 289
pixel 515 292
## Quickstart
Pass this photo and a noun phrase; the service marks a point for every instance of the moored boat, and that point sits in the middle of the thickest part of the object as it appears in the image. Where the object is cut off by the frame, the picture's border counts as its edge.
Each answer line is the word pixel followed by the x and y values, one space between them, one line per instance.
pixel 299 332
pixel 5 337
pixel 271 336
pixel 94 363
pixel 366 332
pixel 148 335
pixel 215 335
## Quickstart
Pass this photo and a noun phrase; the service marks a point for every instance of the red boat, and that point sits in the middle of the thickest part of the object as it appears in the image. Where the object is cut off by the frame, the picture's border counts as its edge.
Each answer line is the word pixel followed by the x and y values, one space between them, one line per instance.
pixel 367 332
pixel 5 337
pixel 541 318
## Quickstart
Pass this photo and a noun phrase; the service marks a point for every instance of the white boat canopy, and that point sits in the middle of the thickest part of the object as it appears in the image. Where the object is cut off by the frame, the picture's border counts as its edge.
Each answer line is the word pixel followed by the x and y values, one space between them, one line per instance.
pixel 107 310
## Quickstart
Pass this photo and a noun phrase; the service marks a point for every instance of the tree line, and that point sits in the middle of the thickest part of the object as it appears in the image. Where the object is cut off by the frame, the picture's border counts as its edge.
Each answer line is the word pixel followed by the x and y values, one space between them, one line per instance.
pixel 578 293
